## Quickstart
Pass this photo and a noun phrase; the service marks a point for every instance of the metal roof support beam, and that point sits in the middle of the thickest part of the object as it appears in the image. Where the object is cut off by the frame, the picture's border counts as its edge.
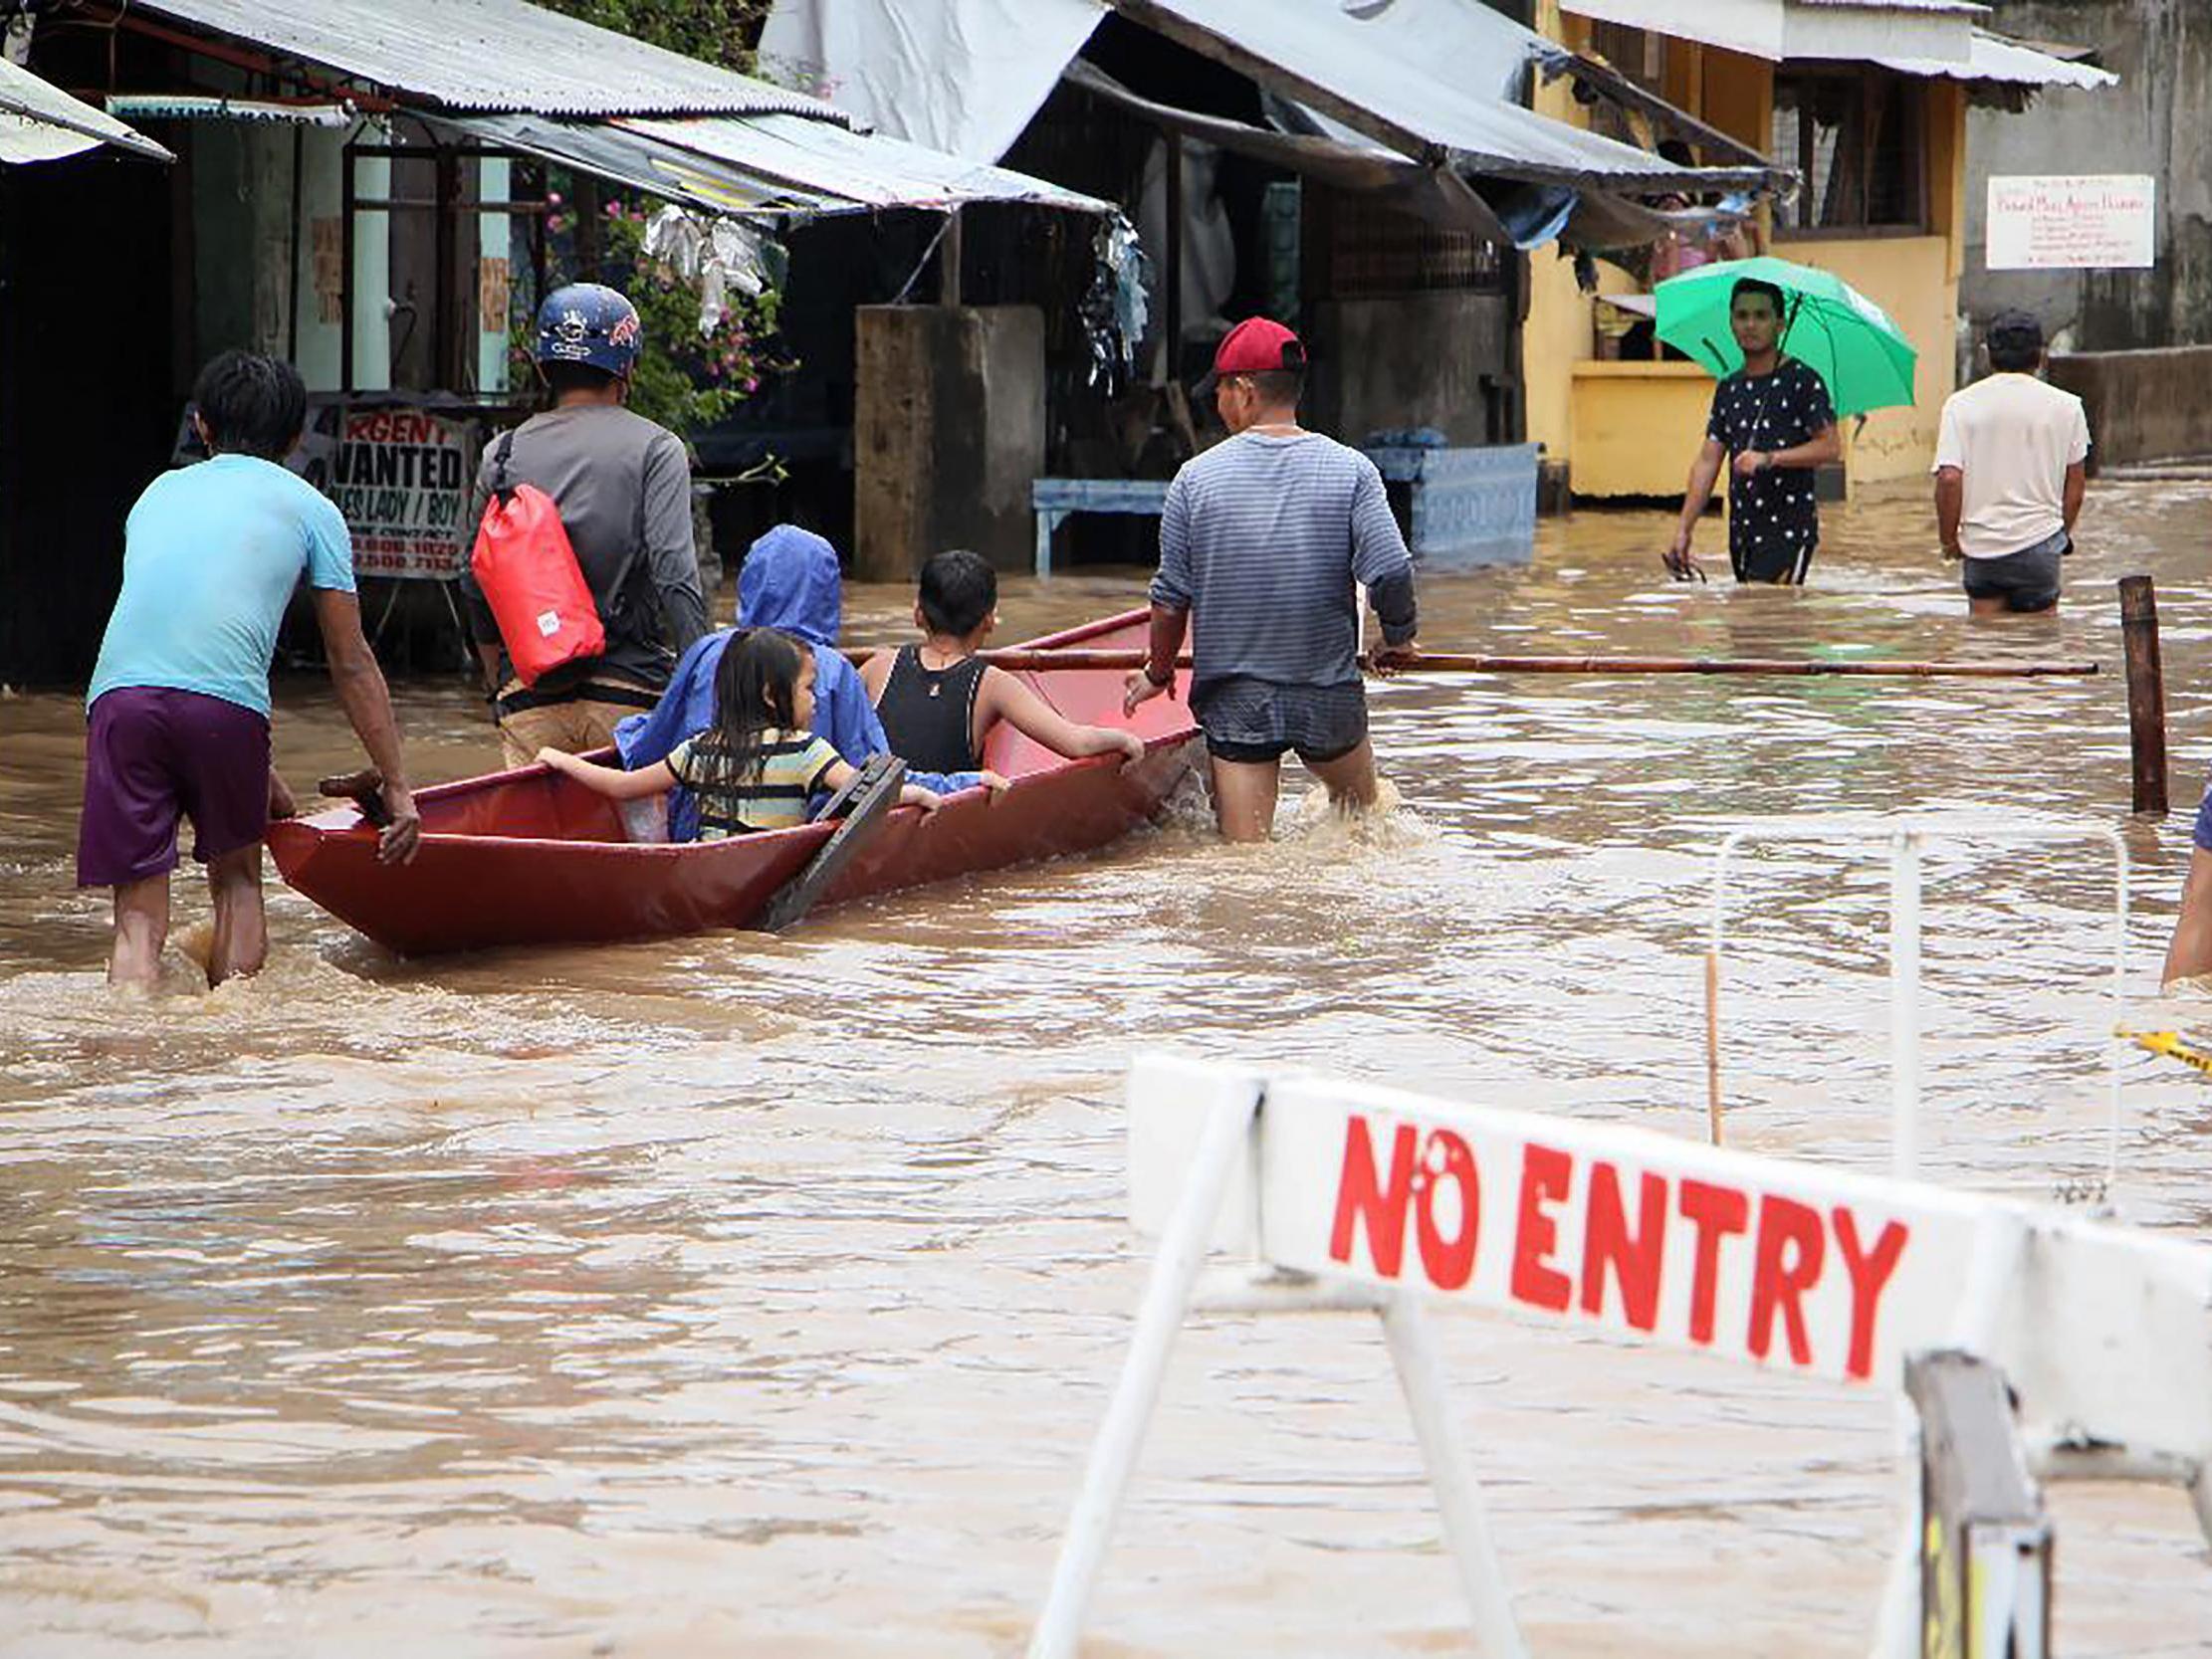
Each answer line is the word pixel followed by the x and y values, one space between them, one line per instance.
pixel 1607 81
pixel 258 63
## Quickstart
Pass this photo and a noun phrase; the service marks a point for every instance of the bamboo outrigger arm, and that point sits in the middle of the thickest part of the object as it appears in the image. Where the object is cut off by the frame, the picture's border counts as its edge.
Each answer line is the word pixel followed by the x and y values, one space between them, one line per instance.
pixel 1442 662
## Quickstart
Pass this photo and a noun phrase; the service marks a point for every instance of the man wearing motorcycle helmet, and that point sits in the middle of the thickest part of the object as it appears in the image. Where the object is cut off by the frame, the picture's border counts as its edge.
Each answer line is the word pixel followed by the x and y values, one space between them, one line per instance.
pixel 622 485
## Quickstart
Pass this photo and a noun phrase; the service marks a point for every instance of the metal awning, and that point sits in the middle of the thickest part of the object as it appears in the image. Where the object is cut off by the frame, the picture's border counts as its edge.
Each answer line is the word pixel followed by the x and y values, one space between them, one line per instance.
pixel 1347 161
pixel 854 171
pixel 1436 81
pixel 766 166
pixel 181 106
pixel 41 123
pixel 641 162
pixel 520 76
pixel 487 56
pixel 2000 60
pixel 1853 30
pixel 1423 77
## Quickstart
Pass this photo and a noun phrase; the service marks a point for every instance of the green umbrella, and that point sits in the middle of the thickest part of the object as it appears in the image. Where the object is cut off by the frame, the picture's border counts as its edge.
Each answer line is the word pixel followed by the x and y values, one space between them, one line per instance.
pixel 1826 325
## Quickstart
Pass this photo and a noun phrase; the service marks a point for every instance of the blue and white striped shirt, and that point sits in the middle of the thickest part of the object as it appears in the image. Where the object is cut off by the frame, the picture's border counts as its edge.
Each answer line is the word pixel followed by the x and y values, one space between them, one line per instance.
pixel 1262 539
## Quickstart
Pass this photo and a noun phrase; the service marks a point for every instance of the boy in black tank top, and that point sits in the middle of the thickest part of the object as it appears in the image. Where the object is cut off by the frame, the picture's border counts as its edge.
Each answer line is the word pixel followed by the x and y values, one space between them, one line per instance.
pixel 938 701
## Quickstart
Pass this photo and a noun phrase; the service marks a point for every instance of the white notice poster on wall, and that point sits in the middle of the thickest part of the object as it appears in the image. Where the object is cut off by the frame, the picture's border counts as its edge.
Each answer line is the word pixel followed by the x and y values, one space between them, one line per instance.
pixel 2099 221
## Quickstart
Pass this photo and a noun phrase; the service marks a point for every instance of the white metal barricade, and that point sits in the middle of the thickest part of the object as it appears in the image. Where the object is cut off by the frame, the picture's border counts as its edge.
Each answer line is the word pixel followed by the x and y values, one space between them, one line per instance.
pixel 1905 837
pixel 1341 1196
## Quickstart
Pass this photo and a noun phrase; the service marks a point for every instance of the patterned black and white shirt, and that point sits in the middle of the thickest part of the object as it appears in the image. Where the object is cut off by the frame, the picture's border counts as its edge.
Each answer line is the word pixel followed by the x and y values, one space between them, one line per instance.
pixel 1773 520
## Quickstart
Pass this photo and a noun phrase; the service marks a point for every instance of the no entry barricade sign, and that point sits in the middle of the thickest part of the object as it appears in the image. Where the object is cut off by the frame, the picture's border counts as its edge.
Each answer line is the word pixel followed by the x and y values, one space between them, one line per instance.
pixel 1338 1196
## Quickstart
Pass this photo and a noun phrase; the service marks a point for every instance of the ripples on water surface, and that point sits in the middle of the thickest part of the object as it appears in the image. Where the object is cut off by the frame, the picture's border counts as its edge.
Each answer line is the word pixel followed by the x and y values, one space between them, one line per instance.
pixel 732 1294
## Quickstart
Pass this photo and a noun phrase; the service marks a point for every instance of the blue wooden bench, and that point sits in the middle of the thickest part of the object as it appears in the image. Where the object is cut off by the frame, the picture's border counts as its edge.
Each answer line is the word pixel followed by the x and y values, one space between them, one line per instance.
pixel 1466 507
pixel 1054 498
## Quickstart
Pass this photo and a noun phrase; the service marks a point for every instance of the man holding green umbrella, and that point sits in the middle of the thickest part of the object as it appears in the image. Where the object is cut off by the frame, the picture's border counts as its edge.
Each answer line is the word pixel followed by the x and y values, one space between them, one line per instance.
pixel 1774 413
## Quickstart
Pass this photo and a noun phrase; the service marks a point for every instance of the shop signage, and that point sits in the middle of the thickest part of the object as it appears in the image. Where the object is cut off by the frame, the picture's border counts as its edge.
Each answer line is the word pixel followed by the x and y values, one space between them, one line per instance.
pixel 2092 222
pixel 401 476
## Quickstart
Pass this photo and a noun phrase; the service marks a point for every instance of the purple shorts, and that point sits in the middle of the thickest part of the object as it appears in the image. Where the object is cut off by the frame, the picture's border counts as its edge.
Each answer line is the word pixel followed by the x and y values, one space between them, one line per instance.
pixel 152 753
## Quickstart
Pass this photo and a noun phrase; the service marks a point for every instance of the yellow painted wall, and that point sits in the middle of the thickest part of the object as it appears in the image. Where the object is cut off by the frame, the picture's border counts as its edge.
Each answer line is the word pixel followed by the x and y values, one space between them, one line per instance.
pixel 1616 408
pixel 1913 279
pixel 1947 169
pixel 1557 332
pixel 1738 95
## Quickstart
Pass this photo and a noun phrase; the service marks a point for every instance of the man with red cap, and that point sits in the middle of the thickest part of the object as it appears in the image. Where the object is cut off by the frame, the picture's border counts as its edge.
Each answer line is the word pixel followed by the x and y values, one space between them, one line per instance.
pixel 1265 540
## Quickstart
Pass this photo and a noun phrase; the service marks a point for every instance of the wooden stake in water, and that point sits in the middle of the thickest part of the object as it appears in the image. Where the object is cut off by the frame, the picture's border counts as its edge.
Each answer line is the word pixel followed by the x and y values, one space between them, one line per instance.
pixel 2147 693
pixel 1713 1044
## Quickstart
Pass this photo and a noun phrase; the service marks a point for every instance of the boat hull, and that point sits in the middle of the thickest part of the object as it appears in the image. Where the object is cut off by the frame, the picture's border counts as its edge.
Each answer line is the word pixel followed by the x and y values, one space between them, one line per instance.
pixel 530 857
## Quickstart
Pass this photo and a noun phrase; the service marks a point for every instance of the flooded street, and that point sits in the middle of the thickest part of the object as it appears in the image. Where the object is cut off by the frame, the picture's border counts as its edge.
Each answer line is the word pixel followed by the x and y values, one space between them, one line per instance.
pixel 736 1294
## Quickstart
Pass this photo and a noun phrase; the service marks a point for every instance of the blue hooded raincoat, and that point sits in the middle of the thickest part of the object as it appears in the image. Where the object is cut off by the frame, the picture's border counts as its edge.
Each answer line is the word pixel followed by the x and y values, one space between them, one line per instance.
pixel 790 581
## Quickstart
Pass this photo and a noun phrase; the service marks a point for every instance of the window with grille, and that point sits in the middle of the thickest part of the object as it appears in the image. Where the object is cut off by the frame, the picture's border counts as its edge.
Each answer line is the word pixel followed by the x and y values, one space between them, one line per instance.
pixel 1639 54
pixel 1359 250
pixel 1860 141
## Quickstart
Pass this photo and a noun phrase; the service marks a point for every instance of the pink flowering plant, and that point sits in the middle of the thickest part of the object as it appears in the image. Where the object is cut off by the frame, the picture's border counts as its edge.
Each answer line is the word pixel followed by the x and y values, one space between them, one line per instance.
pixel 684 379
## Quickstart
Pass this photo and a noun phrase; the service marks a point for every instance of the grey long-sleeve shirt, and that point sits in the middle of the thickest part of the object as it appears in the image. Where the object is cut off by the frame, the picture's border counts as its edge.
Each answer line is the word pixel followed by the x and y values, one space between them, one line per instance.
pixel 623 488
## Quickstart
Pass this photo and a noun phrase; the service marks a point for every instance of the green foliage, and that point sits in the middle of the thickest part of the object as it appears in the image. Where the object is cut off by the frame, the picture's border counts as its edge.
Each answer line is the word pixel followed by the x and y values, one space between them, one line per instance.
pixel 722 32
pixel 684 380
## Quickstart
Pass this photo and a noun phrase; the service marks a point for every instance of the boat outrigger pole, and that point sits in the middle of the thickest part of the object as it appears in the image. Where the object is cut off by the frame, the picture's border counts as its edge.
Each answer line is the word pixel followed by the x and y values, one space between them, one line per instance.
pixel 1443 662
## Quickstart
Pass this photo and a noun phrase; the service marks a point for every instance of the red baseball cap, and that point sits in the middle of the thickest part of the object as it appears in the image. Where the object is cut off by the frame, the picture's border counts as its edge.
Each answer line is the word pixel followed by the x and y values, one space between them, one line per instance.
pixel 1257 345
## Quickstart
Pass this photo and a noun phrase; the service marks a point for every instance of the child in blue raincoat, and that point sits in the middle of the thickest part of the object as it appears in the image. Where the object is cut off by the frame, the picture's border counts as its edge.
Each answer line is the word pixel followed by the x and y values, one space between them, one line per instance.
pixel 790 581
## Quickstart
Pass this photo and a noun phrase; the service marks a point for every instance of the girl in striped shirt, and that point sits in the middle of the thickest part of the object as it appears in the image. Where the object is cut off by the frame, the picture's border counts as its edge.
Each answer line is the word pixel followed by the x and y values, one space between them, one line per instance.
pixel 757 765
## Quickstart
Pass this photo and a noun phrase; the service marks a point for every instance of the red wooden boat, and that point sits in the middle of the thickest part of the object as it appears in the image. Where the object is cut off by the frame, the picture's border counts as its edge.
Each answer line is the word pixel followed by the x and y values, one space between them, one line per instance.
pixel 530 857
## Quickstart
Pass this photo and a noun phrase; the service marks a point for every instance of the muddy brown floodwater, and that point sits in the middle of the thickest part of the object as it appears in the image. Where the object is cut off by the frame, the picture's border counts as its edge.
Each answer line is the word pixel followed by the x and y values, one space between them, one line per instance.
pixel 745 1296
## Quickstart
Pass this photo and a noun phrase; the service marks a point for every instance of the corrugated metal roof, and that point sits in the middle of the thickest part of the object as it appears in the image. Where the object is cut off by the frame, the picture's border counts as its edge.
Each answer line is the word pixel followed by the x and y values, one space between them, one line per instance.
pixel 492 56
pixel 866 170
pixel 646 163
pixel 1408 74
pixel 1964 8
pixel 41 123
pixel 2009 62
pixel 1855 30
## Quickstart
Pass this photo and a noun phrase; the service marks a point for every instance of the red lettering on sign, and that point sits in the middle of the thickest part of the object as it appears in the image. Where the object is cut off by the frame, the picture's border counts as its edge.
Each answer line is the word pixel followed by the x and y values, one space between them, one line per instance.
pixel 1786 1266
pixel 1546 1174
pixel 1606 1243
pixel 391 426
pixel 1360 1199
pixel 1449 1263
pixel 1715 1211
pixel 1870 1275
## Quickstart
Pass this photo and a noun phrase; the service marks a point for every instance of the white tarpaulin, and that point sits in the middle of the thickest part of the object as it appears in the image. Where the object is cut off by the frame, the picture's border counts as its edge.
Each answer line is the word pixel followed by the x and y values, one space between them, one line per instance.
pixel 41 123
pixel 962 76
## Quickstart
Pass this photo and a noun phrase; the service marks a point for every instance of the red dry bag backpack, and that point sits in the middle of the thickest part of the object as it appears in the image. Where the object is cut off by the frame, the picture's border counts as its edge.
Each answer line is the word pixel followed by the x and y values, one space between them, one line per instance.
pixel 528 570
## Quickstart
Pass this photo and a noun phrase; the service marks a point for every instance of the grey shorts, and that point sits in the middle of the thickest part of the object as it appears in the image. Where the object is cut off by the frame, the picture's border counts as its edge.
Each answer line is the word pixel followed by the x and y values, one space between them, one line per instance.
pixel 1260 720
pixel 2026 581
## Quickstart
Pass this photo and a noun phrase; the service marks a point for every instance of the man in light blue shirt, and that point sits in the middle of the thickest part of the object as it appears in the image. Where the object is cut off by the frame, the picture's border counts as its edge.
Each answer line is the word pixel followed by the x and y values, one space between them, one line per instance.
pixel 179 699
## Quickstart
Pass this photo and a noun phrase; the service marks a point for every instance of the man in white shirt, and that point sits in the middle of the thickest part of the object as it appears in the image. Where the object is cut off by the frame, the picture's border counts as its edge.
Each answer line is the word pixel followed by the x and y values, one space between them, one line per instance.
pixel 2010 470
